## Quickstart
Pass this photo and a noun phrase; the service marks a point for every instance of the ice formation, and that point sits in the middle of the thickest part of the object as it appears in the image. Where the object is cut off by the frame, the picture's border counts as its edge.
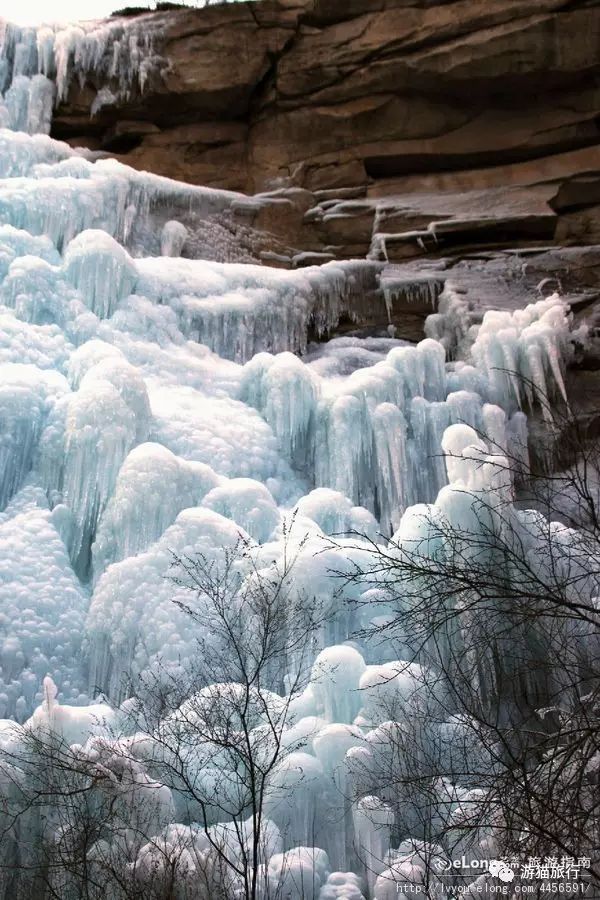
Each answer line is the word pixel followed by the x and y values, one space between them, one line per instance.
pixel 152 405
pixel 38 65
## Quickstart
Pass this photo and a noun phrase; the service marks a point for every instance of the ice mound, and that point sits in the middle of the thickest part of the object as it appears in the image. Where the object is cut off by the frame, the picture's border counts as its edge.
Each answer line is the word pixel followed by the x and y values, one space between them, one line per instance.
pixel 336 676
pixel 335 515
pixel 342 886
pixel 74 724
pixel 101 270
pixel 248 503
pixel 15 244
pixel 173 237
pixel 212 429
pixel 32 288
pixel 153 486
pixel 134 597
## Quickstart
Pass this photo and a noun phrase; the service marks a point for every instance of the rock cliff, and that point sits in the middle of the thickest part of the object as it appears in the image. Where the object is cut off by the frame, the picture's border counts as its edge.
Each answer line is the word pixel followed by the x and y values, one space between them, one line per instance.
pixel 451 130
pixel 407 94
pixel 480 118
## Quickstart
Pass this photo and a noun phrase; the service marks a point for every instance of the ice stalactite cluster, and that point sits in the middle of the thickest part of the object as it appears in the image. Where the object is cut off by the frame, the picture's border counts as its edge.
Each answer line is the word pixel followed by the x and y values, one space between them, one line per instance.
pixel 451 321
pixel 423 290
pixel 39 64
pixel 239 311
pixel 374 435
pixel 352 730
pixel 523 352
pixel 152 405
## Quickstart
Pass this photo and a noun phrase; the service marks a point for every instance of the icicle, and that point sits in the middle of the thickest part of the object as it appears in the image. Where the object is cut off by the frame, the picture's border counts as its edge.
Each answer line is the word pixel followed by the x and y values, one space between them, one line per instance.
pixel 373 821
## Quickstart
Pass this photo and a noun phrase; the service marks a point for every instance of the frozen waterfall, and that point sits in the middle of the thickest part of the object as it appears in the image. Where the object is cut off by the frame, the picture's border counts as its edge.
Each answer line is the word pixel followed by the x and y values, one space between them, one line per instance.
pixel 151 405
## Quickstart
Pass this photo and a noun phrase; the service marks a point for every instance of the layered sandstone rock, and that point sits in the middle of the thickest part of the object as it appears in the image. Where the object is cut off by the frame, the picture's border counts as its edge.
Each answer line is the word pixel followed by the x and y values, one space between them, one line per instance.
pixel 440 124
pixel 334 93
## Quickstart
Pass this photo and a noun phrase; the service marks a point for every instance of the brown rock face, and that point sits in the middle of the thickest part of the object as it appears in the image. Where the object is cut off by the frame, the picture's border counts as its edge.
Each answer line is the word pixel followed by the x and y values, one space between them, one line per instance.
pixel 332 93
pixel 399 128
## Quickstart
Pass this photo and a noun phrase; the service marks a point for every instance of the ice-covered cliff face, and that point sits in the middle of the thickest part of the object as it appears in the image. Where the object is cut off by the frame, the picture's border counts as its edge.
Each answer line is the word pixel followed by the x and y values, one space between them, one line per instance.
pixel 39 62
pixel 151 404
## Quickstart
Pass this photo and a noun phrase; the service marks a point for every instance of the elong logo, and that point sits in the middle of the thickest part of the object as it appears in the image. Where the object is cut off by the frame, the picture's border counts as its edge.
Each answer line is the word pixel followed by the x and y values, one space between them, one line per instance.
pixel 499 868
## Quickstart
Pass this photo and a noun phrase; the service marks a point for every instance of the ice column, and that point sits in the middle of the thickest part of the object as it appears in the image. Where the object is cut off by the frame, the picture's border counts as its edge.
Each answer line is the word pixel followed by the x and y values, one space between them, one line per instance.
pixel 373 821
